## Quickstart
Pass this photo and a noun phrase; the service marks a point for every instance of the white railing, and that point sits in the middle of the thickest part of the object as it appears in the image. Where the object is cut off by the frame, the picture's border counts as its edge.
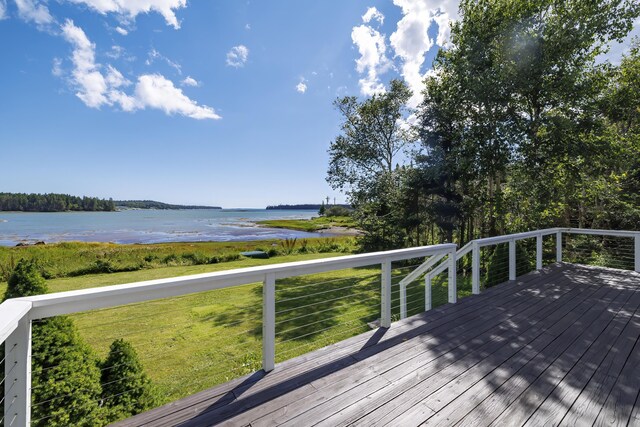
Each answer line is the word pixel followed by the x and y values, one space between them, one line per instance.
pixel 474 247
pixel 16 315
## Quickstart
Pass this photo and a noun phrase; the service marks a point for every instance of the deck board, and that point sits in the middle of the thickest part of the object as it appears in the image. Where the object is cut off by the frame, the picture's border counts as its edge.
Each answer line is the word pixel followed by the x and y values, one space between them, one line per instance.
pixel 556 347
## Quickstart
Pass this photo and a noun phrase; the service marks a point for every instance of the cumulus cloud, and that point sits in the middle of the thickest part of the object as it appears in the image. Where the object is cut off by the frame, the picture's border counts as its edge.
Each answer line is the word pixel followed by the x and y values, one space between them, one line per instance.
pixel 98 86
pixel 91 85
pixel 34 11
pixel 301 87
pixel 122 31
pixel 190 81
pixel 129 9
pixel 237 56
pixel 411 41
pixel 373 60
pixel 155 91
pixel 373 13
pixel 3 9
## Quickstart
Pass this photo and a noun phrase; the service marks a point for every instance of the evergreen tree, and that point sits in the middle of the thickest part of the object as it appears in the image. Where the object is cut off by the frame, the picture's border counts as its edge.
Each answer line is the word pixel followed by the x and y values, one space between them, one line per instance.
pixel 126 389
pixel 65 375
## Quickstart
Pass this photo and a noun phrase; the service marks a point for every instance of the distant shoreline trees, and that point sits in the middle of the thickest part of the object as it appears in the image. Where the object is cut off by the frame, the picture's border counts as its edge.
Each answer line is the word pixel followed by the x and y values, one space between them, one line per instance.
pixel 51 202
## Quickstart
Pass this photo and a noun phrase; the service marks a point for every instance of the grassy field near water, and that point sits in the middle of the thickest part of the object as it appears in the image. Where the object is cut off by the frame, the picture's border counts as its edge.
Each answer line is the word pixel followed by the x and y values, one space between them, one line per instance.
pixel 68 259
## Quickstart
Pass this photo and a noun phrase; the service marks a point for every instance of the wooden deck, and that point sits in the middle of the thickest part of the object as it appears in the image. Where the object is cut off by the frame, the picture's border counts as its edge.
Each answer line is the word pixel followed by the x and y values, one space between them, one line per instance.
pixel 557 347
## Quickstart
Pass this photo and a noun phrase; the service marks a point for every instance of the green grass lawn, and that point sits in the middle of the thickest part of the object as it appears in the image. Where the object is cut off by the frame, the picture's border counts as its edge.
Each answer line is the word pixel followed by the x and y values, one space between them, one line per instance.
pixel 193 342
pixel 78 258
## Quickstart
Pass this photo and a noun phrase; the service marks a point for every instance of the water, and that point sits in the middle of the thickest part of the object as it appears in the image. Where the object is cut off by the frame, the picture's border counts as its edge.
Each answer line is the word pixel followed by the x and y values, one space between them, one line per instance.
pixel 146 226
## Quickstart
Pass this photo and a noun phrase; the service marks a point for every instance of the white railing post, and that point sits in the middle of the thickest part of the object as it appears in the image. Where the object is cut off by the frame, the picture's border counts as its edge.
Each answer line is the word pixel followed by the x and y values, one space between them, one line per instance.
pixel 17 384
pixel 427 292
pixel 403 301
pixel 475 268
pixel 512 259
pixel 451 281
pixel 539 252
pixel 385 303
pixel 269 322
pixel 559 246
pixel 637 252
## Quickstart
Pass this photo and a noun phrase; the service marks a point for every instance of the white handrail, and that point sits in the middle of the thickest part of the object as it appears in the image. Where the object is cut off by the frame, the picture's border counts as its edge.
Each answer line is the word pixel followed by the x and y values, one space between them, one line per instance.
pixel 430 269
pixel 16 314
pixel 88 299
pixel 11 312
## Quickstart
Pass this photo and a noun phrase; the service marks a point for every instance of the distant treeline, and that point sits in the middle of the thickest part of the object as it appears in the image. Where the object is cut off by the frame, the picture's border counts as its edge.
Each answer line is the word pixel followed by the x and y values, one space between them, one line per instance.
pixel 52 203
pixel 151 204
pixel 303 207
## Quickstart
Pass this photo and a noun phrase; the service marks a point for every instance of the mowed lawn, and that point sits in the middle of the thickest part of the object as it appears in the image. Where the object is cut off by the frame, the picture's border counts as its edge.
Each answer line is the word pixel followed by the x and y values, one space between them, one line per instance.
pixel 193 342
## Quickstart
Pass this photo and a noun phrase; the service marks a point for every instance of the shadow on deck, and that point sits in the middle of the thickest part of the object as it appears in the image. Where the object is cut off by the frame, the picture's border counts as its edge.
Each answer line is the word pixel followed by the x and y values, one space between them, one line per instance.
pixel 556 347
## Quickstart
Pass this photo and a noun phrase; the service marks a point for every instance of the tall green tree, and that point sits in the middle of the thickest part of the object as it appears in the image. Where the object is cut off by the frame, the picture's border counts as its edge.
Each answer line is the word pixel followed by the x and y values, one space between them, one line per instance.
pixel 513 125
pixel 365 158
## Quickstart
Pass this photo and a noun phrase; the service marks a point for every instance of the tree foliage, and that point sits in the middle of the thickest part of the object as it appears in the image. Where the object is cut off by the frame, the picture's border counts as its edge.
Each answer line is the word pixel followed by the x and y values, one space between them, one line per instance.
pixel 69 384
pixel 126 389
pixel 52 203
pixel 522 126
pixel 365 158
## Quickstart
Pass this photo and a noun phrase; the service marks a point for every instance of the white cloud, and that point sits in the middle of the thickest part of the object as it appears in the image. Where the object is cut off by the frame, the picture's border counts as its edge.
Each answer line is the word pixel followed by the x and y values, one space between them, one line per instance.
pixel 91 85
pixel 97 89
pixel 129 9
pixel 154 54
pixel 237 56
pixel 190 81
pixel 56 69
pixel 32 10
pixel 247 27
pixel 3 9
pixel 115 52
pixel 122 31
pixel 155 91
pixel 373 60
pixel 411 41
pixel 373 13
pixel 302 86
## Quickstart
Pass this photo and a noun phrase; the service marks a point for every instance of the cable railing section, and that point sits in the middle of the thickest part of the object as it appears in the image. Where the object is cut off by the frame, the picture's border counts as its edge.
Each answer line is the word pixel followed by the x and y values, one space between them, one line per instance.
pixel 499 259
pixel 195 332
pixel 191 333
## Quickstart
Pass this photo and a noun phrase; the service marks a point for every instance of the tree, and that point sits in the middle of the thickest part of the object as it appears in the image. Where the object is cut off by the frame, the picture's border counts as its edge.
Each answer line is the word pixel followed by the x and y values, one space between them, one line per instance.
pixel 364 160
pixel 514 132
pixel 65 376
pixel 25 281
pixel 126 389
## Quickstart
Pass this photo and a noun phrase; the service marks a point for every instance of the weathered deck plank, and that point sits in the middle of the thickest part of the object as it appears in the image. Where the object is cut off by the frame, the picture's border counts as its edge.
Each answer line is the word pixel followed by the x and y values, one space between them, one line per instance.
pixel 559 346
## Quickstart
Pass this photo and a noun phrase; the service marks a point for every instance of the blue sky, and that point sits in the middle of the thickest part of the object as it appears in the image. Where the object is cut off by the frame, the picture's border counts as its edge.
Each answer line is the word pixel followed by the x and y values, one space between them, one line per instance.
pixel 211 102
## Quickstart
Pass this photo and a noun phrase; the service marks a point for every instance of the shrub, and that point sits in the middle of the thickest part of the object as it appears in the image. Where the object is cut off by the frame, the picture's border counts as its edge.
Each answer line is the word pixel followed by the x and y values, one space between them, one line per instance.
pixel 65 377
pixel 25 281
pixel 288 245
pixel 337 211
pixel 126 389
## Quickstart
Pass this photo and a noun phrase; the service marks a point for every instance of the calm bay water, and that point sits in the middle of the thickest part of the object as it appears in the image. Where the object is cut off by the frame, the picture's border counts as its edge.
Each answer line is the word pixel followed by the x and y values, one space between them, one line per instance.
pixel 146 226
